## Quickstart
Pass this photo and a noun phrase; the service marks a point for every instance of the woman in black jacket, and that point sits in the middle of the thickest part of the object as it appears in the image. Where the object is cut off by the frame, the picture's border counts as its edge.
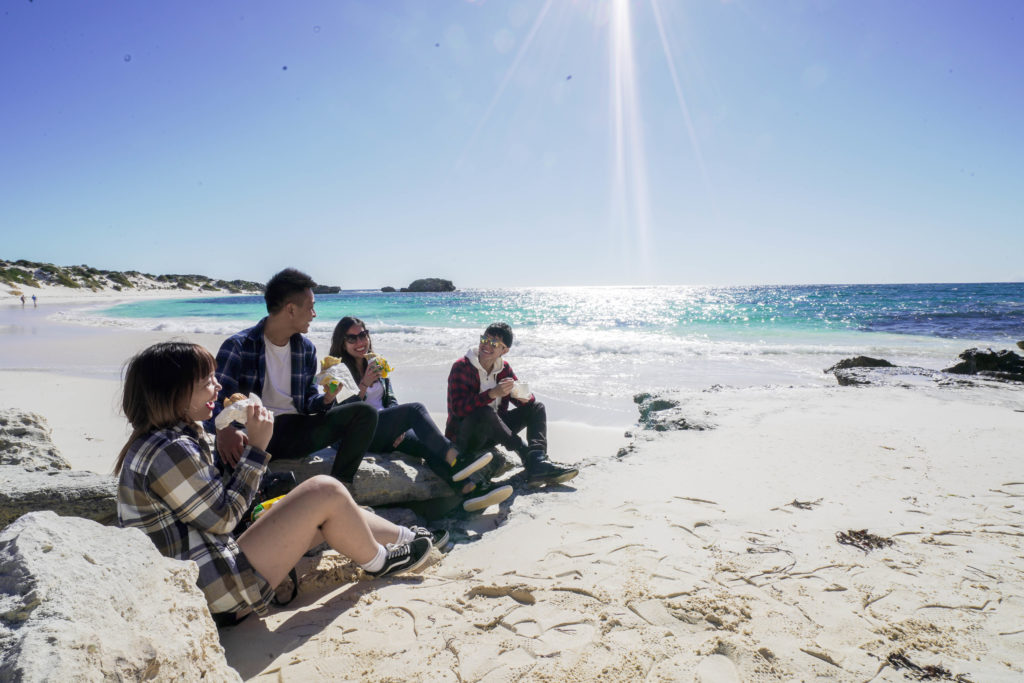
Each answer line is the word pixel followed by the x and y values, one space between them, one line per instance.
pixel 407 427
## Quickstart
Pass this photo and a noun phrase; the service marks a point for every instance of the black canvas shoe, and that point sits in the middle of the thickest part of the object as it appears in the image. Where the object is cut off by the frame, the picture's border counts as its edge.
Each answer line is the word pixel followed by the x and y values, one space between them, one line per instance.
pixel 540 471
pixel 467 463
pixel 404 558
pixel 438 538
pixel 486 495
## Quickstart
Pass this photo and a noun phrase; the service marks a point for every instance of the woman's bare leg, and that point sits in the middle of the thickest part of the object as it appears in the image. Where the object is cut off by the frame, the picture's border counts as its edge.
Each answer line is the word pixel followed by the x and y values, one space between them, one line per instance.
pixel 318 508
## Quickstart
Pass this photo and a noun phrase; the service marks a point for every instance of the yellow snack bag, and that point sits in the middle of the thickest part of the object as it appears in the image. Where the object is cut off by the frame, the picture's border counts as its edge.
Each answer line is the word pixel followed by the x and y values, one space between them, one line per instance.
pixel 264 506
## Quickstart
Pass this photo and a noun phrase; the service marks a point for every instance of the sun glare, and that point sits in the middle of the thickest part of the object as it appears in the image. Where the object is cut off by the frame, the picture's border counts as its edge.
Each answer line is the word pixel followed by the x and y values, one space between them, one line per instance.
pixel 630 200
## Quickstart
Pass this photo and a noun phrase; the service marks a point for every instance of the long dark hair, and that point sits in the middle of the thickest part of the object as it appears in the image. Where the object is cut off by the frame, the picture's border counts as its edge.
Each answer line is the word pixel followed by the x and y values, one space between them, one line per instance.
pixel 158 385
pixel 338 349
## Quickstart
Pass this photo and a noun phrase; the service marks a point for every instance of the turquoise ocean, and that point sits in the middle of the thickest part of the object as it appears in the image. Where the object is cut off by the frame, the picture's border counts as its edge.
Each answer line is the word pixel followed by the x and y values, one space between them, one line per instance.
pixel 589 349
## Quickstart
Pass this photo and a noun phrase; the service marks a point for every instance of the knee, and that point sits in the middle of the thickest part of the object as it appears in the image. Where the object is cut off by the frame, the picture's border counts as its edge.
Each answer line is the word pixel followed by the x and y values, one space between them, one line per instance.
pixel 364 413
pixel 327 487
pixel 419 409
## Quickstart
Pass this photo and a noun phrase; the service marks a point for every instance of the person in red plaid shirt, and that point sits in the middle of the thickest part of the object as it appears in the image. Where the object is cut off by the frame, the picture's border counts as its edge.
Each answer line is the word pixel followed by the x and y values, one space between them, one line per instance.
pixel 481 390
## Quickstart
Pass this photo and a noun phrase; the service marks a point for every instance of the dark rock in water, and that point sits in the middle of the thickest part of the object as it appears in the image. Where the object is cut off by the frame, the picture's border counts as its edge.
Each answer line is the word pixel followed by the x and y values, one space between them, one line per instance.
pixel 860 362
pixel 1020 344
pixel 888 376
pixel 430 284
pixel 326 289
pixel 1002 365
pixel 663 414
pixel 388 289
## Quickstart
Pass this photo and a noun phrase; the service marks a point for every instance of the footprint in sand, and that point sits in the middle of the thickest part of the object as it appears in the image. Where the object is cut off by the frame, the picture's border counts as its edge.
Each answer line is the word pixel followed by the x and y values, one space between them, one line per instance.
pixel 716 669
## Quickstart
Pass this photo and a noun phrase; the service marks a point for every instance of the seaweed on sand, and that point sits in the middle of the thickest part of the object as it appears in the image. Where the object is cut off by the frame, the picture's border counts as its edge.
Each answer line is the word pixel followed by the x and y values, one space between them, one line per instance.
pixel 929 672
pixel 863 540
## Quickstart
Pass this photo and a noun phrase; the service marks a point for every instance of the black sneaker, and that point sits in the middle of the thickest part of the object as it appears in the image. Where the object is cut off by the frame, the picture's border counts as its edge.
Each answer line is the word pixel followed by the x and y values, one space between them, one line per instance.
pixel 540 471
pixel 404 558
pixel 466 464
pixel 484 496
pixel 438 538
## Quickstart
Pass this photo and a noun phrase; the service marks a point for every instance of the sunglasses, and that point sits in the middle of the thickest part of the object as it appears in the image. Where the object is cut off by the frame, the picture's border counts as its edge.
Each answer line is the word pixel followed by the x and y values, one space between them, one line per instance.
pixel 353 338
pixel 493 343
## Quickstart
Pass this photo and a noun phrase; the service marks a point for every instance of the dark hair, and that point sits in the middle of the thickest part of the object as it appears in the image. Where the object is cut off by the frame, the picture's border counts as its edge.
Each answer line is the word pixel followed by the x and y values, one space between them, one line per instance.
pixel 158 385
pixel 285 286
pixel 500 330
pixel 338 349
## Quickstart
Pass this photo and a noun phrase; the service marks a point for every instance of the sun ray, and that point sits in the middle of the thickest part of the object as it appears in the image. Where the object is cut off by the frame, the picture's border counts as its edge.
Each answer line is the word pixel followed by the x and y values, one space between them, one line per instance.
pixel 630 201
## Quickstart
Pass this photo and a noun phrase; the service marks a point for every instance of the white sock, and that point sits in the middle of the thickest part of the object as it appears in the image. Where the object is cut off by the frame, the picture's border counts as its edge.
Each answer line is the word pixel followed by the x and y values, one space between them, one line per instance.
pixel 377 563
pixel 405 535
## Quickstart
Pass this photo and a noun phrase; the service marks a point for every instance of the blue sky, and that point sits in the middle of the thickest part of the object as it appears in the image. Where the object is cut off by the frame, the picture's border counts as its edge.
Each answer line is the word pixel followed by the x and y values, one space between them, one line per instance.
pixel 520 142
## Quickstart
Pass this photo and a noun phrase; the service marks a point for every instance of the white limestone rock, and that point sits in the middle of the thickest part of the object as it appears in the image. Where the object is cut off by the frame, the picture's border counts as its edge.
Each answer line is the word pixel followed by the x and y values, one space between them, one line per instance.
pixel 67 492
pixel 85 602
pixel 25 441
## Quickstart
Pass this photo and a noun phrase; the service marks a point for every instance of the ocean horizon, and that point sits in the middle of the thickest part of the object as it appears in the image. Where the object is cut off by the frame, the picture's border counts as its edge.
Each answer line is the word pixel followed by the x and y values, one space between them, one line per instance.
pixel 590 349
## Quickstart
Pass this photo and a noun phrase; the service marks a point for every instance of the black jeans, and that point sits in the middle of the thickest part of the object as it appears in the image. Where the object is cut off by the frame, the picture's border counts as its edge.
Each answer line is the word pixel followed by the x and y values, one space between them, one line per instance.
pixel 351 425
pixel 484 427
pixel 422 437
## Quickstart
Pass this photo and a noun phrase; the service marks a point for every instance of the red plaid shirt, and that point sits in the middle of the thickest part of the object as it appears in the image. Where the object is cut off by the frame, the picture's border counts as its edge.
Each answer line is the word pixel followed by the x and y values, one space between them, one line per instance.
pixel 464 395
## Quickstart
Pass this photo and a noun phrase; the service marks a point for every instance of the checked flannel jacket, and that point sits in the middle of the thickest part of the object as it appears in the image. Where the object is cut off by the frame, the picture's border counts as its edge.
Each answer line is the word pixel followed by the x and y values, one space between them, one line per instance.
pixel 242 367
pixel 170 488
pixel 464 395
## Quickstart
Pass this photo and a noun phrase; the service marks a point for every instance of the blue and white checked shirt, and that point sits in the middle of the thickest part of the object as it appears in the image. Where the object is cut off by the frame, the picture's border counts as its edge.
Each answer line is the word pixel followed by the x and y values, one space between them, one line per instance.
pixel 242 367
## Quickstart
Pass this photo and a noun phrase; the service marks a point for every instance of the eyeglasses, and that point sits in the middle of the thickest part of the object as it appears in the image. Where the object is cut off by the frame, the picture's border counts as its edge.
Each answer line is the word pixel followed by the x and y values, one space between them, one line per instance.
pixel 353 338
pixel 493 343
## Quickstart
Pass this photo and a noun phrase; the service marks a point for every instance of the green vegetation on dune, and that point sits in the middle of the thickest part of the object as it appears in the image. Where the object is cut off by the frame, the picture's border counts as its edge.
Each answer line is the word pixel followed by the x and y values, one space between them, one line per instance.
pixel 34 274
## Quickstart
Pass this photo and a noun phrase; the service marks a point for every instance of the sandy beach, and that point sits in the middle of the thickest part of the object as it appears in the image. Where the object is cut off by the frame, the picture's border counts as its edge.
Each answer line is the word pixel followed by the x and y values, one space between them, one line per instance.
pixel 691 555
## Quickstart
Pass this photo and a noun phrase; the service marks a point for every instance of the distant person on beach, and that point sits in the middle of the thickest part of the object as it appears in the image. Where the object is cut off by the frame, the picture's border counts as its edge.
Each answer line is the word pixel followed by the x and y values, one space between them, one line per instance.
pixel 23 301
pixel 481 386
pixel 34 304
pixel 407 427
pixel 276 362
pixel 170 487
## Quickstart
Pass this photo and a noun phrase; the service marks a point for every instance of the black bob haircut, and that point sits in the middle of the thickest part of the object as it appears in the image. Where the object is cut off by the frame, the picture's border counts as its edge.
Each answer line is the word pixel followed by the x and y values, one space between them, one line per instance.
pixel 284 287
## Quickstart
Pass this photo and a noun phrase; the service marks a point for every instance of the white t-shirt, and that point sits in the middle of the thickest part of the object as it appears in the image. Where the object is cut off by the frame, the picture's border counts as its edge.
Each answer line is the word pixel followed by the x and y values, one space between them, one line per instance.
pixel 375 395
pixel 277 385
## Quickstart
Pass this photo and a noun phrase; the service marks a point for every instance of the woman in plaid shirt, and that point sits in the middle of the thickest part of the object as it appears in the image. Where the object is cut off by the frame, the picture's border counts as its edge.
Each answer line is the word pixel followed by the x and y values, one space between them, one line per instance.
pixel 170 488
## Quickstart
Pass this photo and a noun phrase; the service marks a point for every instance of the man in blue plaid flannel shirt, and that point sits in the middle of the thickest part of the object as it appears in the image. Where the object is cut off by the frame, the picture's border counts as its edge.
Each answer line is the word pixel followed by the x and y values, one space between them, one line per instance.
pixel 276 362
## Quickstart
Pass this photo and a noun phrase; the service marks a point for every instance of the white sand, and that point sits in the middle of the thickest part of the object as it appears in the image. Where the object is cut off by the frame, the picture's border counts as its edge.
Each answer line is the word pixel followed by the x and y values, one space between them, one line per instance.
pixel 683 560
pixel 686 559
